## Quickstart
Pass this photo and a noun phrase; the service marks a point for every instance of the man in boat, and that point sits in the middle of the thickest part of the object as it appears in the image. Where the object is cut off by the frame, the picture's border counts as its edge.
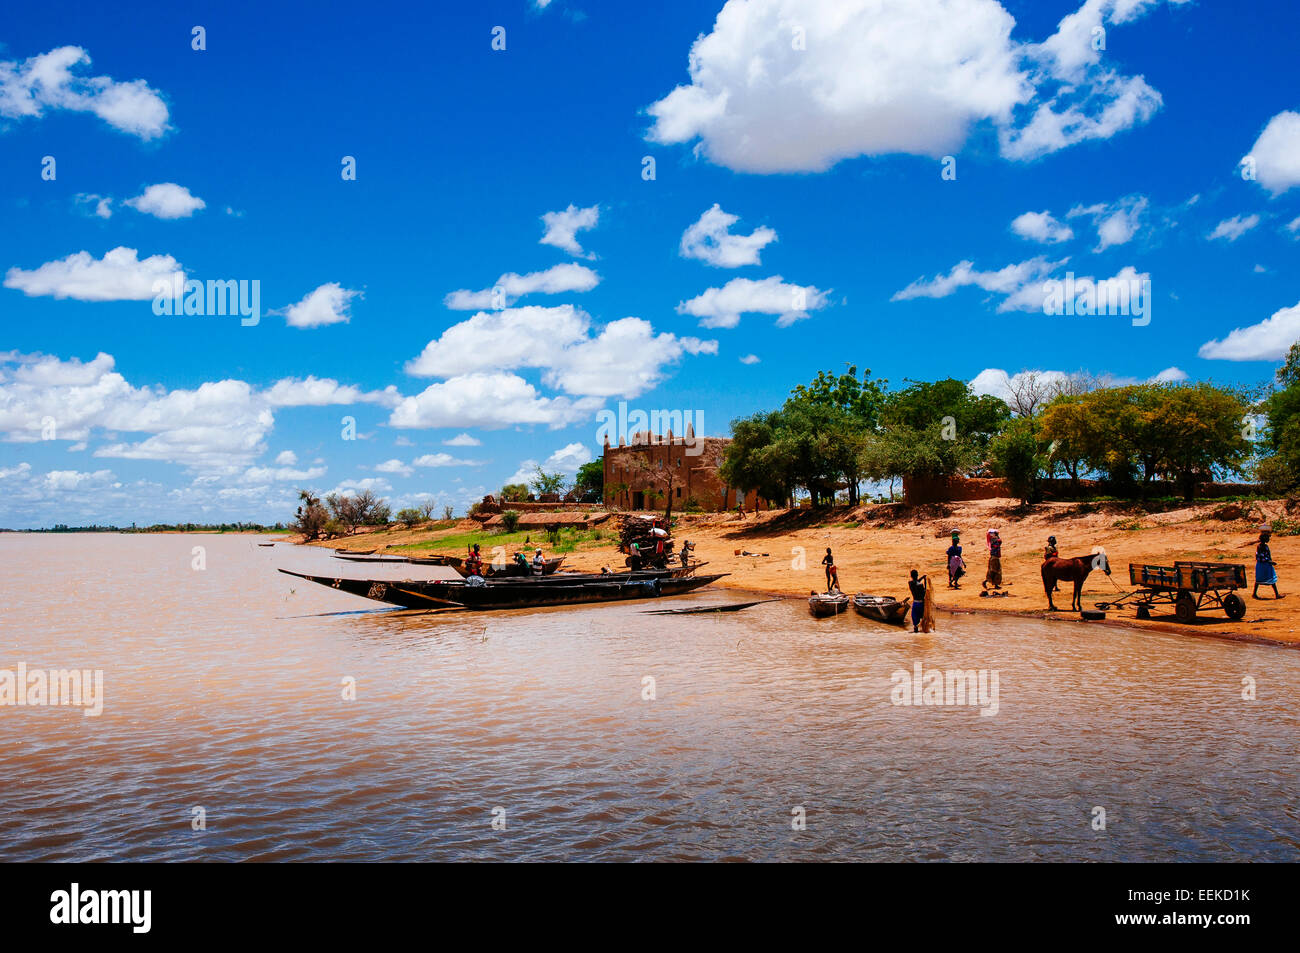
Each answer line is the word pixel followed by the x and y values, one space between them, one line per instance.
pixel 1265 568
pixel 832 575
pixel 993 577
pixel 956 565
pixel 474 561
pixel 539 562
pixel 917 585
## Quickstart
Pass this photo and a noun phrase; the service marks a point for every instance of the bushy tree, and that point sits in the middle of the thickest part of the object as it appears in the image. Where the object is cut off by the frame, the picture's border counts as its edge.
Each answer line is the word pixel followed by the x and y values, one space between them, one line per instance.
pixel 590 482
pixel 1280 470
pixel 514 493
pixel 311 516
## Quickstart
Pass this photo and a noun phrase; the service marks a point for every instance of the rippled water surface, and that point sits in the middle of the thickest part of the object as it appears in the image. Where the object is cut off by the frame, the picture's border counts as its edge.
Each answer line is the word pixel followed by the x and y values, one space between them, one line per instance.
pixel 223 692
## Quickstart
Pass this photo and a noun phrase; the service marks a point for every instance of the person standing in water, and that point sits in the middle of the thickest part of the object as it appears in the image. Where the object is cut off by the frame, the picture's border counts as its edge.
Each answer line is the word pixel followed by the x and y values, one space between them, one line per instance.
pixel 832 575
pixel 1265 568
pixel 956 565
pixel 917 585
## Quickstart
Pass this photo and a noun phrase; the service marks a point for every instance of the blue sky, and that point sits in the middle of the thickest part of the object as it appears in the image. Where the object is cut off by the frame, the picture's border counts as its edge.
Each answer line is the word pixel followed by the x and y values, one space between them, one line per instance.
pixel 818 129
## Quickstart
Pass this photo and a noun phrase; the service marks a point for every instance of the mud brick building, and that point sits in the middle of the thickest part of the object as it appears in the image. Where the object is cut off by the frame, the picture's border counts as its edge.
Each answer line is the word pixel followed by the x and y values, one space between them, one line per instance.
pixel 641 473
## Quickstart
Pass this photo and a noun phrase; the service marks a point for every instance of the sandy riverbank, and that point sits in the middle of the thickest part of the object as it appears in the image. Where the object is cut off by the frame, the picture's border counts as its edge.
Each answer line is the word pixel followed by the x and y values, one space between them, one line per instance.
pixel 876 546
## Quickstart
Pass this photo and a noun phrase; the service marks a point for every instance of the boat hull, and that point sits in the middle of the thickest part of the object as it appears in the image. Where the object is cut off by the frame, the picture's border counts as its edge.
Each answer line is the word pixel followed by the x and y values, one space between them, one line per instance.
pixel 884 609
pixel 822 606
pixel 507 594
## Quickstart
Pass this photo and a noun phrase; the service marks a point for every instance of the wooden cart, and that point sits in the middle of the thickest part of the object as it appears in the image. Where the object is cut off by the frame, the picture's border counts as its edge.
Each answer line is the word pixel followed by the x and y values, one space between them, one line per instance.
pixel 1187 586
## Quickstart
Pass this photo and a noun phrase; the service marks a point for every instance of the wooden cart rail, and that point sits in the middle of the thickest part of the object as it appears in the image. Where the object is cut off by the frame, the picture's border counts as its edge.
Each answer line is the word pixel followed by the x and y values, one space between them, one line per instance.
pixel 1187 585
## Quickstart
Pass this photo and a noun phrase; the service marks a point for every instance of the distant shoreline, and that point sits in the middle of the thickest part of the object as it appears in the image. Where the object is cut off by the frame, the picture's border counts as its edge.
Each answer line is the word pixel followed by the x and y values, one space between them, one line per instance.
pixel 875 546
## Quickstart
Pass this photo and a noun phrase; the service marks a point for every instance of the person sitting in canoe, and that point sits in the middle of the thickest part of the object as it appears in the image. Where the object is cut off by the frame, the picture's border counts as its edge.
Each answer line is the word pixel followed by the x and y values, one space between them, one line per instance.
pixel 539 562
pixel 474 562
pixel 917 585
pixel 1265 568
pixel 956 565
pixel 832 575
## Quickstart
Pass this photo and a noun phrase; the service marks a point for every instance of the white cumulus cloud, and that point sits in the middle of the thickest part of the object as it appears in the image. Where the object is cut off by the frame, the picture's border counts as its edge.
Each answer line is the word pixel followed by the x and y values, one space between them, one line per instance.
pixel 710 240
pixel 329 304
pixel 1276 153
pixel 28 88
pixel 121 275
pixel 1041 227
pixel 510 287
pixel 722 307
pixel 563 227
pixel 167 200
pixel 1269 340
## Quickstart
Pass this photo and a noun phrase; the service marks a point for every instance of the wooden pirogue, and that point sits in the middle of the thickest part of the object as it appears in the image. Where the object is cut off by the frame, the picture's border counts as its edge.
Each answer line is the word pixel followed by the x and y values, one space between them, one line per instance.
pixel 512 593
pixel 885 609
pixel 822 604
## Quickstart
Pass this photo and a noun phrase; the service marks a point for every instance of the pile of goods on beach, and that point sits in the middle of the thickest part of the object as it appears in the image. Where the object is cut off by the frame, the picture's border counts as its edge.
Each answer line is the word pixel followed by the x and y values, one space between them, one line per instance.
pixel 645 533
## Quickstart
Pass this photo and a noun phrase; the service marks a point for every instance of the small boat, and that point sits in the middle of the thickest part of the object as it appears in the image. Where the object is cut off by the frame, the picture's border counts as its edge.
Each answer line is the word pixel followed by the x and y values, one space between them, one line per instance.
pixel 822 604
pixel 266 544
pixel 885 609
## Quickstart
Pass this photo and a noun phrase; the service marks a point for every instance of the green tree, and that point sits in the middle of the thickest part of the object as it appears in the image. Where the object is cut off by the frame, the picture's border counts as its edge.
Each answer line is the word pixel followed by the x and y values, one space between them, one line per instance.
pixel 514 493
pixel 1280 470
pixel 545 484
pixel 590 482
pixel 1019 456
pixel 311 516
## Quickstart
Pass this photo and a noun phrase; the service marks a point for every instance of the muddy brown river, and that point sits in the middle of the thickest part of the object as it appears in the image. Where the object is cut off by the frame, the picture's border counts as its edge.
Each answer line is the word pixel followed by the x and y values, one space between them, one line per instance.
pixel 228 729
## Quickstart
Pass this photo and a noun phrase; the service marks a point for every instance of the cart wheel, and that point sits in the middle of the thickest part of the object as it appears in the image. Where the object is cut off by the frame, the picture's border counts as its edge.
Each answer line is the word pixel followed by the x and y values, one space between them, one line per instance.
pixel 1185 606
pixel 1234 606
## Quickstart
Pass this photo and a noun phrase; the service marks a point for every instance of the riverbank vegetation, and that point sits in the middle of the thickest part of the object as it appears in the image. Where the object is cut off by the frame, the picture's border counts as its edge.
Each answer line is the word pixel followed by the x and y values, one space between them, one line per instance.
pixel 842 433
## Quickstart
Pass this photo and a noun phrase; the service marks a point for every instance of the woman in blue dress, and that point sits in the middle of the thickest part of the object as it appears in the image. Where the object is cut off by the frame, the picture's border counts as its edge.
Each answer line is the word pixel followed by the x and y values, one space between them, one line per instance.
pixel 1265 568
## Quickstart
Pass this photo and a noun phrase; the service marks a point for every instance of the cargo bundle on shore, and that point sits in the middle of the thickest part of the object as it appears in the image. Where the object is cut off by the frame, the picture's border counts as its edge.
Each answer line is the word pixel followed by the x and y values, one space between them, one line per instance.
pixel 641 536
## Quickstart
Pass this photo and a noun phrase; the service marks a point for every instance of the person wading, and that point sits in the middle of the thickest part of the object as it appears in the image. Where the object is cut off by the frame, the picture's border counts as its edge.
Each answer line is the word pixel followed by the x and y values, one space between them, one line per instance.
pixel 1265 568
pixel 917 585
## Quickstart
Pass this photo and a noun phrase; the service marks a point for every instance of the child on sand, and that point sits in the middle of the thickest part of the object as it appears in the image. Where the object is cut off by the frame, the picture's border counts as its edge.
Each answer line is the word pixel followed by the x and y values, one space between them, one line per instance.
pixel 832 576
pixel 1265 568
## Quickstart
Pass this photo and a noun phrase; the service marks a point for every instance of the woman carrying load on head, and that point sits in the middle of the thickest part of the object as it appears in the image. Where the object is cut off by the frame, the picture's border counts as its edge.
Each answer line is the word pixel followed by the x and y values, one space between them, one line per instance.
pixel 956 565
pixel 994 575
